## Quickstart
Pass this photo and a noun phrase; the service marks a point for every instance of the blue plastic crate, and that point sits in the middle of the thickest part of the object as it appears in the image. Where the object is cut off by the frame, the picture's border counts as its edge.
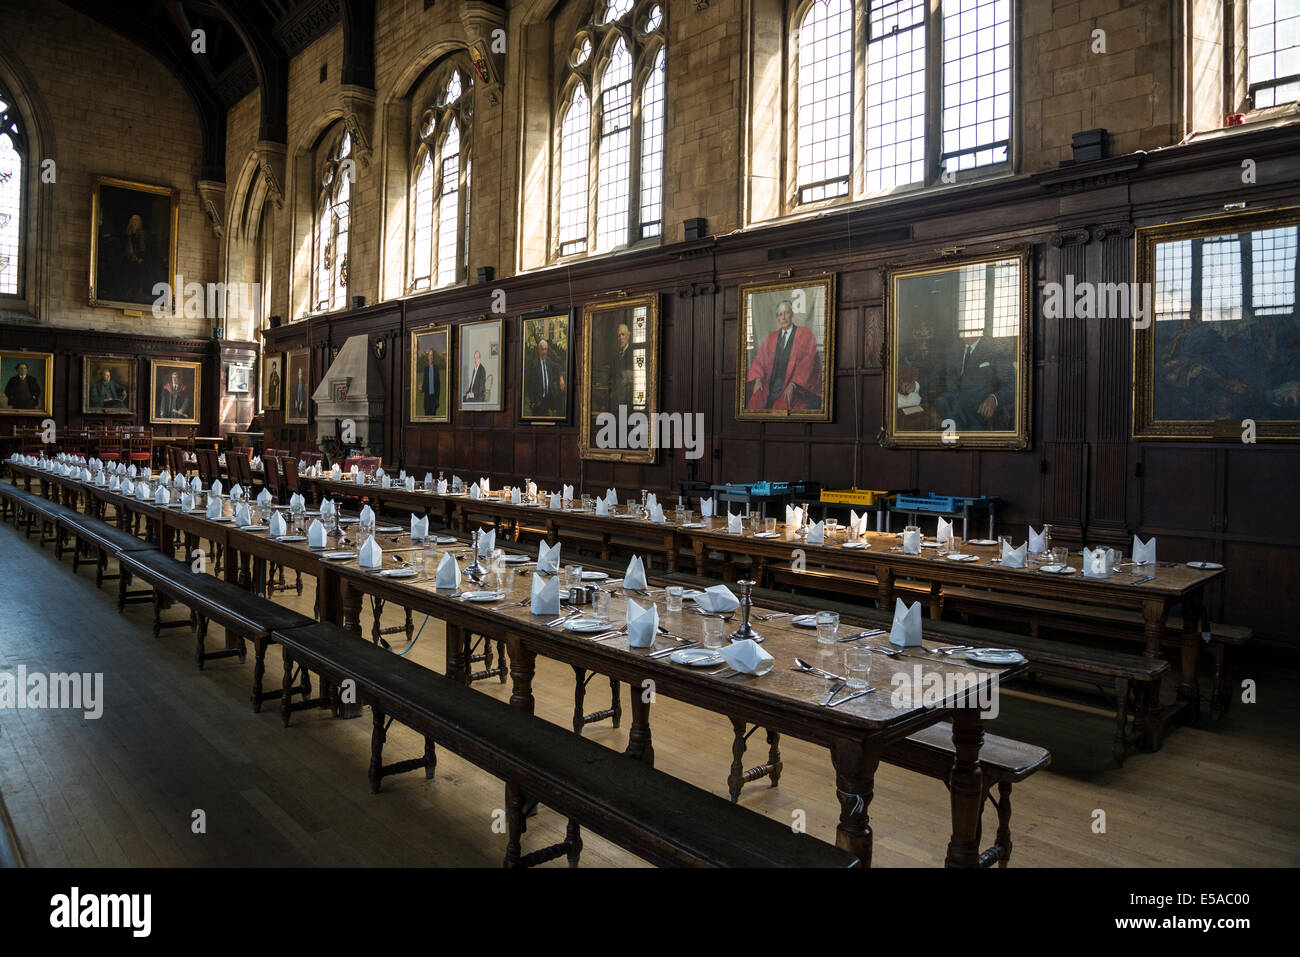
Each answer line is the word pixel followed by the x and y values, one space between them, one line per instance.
pixel 935 503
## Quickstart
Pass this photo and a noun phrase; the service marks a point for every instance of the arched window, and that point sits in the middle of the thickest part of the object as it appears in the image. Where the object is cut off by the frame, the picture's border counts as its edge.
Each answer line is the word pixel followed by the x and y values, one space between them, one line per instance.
pixel 330 238
pixel 825 100
pixel 12 149
pixel 609 151
pixel 440 185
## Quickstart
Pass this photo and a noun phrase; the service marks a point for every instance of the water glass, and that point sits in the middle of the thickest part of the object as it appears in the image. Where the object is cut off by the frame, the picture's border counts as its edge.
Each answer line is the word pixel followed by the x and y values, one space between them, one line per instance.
pixel 832 525
pixel 828 627
pixel 857 667
pixel 769 526
pixel 954 545
pixel 1060 555
pixel 586 503
pixel 574 573
pixel 600 603
pixel 633 507
pixel 429 558
pixel 505 580
pixel 673 597
pixel 713 630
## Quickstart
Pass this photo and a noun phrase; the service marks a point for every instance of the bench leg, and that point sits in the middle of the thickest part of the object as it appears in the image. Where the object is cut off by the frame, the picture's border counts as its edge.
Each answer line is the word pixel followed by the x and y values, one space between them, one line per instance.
pixel 514 825
pixel 378 734
pixel 1119 751
pixel 1004 823
pixel 286 687
pixel 200 639
pixel 259 671
pixel 1221 693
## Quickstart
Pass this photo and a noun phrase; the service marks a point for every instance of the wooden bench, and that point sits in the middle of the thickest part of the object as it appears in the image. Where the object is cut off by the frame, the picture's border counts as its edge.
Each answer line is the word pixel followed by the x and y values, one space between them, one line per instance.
pixel 664 820
pixel 844 582
pixel 1082 618
pixel 240 612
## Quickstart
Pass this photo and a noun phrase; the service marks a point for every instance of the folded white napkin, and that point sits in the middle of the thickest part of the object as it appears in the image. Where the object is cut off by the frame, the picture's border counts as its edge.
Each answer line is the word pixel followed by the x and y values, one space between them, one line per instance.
pixel 442 486
pixel 634 577
pixel 236 490
pixel 611 497
pixel 370 555
pixel 567 493
pixel 1013 557
pixel 85 475
pixel 359 477
pixel 657 513
pixel 1098 563
pixel 486 542
pixel 474 490
pixel 456 483
pixel 706 507
pixel 556 501
pixel 277 526
pixel 367 515
pixel 858 521
pixel 217 486
pixel 196 485
pixel 327 508
pixel 651 500
pixel 734 522
pixel 748 657
pixel 165 476
pixel 817 533
pixel 297 502
pixel 428 479
pixel 419 526
pixel 906 629
pixel 532 489
pixel 336 473
pixel 386 482
pixel 187 501
pixel 794 516
pixel 1037 543
pixel 484 486
pixel 912 542
pixel 642 625
pixel 179 483
pixel 401 475
pixel 142 491
pixel 131 471
pixel 316 534
pixel 548 557
pixel 100 479
pixel 264 498
pixel 448 574
pixel 717 598
pixel 602 507
pixel 515 496
pixel 944 533
pixel 1144 552
pixel 214 507
pixel 380 473
pixel 545 596
pixel 114 483
pixel 243 514
pixel 409 483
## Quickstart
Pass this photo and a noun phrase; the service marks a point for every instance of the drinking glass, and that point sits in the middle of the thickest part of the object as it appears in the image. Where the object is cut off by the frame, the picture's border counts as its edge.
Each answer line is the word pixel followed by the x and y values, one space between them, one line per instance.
pixel 505 580
pixel 832 525
pixel 1004 541
pixel 575 576
pixel 633 508
pixel 586 503
pixel 769 525
pixel 954 545
pixel 600 603
pixel 1060 555
pixel 673 597
pixel 429 558
pixel 828 627
pixel 713 630
pixel 857 667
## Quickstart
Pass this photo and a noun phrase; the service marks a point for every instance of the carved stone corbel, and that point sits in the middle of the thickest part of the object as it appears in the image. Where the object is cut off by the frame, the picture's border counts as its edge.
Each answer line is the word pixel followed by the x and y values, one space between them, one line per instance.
pixel 271 162
pixel 212 198
pixel 359 119
pixel 1070 237
pixel 485 29
pixel 1102 232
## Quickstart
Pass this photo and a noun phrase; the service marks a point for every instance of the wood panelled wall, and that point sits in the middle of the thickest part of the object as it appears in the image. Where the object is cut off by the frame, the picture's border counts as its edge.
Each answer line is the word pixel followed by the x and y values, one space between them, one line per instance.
pixel 70 345
pixel 1082 474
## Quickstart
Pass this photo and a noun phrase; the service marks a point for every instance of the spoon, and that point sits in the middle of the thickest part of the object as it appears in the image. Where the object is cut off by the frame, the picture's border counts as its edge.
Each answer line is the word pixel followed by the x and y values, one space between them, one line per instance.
pixel 802 665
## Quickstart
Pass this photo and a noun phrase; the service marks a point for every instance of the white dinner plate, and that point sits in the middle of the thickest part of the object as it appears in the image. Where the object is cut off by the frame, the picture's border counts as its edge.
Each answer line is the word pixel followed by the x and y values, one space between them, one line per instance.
pixel 399 573
pixel 1058 569
pixel 594 576
pixel 766 534
pixel 252 528
pixel 481 596
pixel 959 557
pixel 995 656
pixel 696 657
pixel 445 540
pixel 587 625
pixel 693 525
pixel 292 538
pixel 312 511
pixel 804 621
pixel 1208 566
pixel 925 544
pixel 223 518
pixel 516 559
pixel 980 541
pixel 854 545
pixel 386 529
pixel 348 521
pixel 339 556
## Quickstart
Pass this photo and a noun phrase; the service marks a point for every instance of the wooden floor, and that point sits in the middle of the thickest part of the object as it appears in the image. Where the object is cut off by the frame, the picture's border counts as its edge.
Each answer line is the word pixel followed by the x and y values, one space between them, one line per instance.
pixel 123 790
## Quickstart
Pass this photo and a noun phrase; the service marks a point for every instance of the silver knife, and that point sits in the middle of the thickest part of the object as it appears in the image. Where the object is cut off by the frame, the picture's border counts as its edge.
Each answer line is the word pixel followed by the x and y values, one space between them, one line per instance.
pixel 1142 581
pixel 864 634
pixel 833 692
pixel 856 694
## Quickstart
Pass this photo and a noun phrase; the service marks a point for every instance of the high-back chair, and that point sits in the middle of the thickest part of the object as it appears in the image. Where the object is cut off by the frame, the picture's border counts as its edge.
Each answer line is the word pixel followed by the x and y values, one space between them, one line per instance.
pixel 141 449
pixel 209 466
pixel 238 467
pixel 289 468
pixel 271 474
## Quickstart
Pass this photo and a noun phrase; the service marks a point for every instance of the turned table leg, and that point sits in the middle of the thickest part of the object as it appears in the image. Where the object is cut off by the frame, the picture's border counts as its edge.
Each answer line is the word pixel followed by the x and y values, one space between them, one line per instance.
pixel 639 745
pixel 855 781
pixel 966 788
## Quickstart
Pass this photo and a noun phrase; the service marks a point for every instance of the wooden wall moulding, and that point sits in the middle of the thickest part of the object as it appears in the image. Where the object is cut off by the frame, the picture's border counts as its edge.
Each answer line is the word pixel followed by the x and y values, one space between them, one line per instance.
pixel 1070 237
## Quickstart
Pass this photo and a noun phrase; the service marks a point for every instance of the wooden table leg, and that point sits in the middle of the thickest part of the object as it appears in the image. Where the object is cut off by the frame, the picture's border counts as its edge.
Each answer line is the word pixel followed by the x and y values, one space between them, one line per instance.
pixel 885 587
pixel 523 665
pixel 457 665
pixel 1154 613
pixel 1189 689
pixel 966 788
pixel 639 745
pixel 697 545
pixel 855 782
pixel 350 602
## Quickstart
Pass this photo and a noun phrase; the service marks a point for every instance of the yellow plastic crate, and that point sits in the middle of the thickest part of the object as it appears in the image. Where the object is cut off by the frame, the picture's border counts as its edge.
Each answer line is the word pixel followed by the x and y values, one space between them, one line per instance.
pixel 852 496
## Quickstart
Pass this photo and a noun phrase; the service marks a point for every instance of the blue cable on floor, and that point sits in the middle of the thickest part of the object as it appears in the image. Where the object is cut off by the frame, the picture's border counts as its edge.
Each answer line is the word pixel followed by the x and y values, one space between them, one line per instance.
pixel 416 638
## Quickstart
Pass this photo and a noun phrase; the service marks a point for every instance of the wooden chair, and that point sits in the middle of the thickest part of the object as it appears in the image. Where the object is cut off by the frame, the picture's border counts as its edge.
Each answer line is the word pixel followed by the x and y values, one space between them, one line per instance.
pixel 140 446
pixel 289 470
pixel 271 473
pixel 238 467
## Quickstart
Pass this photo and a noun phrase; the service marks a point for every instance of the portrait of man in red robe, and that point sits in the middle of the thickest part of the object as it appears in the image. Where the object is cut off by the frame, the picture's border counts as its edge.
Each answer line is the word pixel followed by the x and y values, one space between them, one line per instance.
pixel 787 372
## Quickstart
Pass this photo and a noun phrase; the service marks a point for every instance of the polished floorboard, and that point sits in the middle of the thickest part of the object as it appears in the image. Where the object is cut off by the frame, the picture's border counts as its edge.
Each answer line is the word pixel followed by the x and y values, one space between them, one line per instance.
pixel 176 748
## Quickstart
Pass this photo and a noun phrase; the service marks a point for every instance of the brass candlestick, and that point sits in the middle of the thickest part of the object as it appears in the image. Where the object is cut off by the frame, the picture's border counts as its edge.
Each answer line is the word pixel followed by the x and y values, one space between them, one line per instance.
pixel 746 602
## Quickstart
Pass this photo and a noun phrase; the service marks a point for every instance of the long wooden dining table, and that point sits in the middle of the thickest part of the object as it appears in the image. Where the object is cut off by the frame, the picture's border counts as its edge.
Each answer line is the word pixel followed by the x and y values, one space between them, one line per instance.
pixel 1171 586
pixel 783 700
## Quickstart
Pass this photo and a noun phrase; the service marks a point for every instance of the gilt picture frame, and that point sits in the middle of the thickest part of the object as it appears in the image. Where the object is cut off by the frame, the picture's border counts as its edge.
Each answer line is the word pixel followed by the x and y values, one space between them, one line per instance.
pixel 619 381
pixel 785 350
